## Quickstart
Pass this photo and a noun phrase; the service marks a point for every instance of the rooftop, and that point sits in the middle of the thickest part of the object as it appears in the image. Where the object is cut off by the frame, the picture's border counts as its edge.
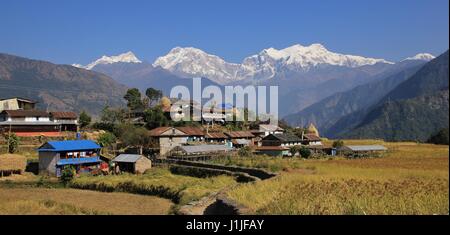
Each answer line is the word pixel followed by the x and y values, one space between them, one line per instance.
pixel 68 145
pixel 127 158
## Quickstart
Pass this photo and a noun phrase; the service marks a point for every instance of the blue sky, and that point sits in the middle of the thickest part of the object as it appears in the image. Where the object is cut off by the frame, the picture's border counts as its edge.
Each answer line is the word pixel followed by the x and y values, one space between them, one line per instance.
pixel 81 31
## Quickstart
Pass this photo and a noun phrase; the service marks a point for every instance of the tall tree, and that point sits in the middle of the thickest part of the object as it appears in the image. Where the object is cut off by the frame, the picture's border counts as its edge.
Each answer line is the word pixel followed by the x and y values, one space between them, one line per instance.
pixel 84 119
pixel 133 98
pixel 153 95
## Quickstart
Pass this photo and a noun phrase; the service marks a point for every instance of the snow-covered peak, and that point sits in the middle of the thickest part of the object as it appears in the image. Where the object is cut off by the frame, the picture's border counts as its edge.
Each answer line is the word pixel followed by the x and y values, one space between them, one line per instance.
pixel 421 56
pixel 315 54
pixel 127 57
pixel 190 61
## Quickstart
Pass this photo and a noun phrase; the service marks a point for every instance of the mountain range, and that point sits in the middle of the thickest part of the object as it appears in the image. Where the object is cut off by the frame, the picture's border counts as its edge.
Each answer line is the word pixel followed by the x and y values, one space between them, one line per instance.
pixel 410 105
pixel 305 74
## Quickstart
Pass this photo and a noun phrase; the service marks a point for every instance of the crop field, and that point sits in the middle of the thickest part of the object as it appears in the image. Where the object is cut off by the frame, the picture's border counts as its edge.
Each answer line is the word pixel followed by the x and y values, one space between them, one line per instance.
pixel 158 181
pixel 58 201
pixel 410 179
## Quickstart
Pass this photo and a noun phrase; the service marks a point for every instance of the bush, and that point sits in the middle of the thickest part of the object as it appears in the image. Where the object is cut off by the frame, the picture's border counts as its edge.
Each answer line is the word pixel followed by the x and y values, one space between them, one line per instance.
pixel 304 152
pixel 245 152
pixel 338 143
pixel 67 174
pixel 440 138
pixel 293 150
pixel 84 119
pixel 13 142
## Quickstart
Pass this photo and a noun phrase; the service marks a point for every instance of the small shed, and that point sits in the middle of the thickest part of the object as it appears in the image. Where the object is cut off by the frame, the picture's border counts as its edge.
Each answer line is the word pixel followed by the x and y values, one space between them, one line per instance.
pixel 361 150
pixel 133 163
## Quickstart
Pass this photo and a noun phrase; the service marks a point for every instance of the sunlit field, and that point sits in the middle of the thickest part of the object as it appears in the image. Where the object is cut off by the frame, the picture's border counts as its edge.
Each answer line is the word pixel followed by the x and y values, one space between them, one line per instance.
pixel 160 182
pixel 410 178
pixel 58 201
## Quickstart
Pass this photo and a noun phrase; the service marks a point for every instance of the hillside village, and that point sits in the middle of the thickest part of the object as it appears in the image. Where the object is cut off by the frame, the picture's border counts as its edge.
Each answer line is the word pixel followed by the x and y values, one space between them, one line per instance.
pixel 144 130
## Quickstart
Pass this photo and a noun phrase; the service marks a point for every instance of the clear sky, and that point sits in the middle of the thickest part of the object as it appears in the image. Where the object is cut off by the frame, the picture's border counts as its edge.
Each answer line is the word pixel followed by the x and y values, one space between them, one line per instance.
pixel 81 31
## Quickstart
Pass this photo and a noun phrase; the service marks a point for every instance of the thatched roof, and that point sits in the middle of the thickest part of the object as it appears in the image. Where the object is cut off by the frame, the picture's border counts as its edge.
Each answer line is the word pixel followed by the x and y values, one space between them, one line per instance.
pixel 14 162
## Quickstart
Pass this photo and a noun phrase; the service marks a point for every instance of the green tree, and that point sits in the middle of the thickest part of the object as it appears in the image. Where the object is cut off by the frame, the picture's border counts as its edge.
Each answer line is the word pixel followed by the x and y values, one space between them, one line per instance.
pixel 106 139
pixel 13 142
pixel 338 143
pixel 442 137
pixel 134 99
pixel 154 117
pixel 153 95
pixel 304 152
pixel 84 119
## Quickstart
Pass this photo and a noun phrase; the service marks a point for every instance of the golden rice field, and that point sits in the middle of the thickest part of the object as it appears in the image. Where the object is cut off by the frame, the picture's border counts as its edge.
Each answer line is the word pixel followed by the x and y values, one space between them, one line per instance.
pixel 45 201
pixel 410 179
pixel 157 181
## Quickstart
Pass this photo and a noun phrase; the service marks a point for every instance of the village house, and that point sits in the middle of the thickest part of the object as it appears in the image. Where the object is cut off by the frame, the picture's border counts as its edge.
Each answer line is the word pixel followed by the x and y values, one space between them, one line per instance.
pixel 274 151
pixel 311 140
pixel 283 140
pixel 132 163
pixel 16 103
pixel 267 129
pixel 37 122
pixel 166 138
pixel 216 137
pixel 83 155
pixel 241 138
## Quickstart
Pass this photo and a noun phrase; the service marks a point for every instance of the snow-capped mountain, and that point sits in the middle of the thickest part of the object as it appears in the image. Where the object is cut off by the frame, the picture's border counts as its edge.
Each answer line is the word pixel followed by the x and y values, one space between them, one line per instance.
pixel 127 57
pixel 195 62
pixel 421 56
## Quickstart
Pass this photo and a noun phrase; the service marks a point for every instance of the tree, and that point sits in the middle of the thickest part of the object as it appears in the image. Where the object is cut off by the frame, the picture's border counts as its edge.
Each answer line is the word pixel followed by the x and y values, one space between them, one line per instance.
pixel 133 98
pixel 442 137
pixel 106 139
pixel 155 117
pixel 304 152
pixel 134 136
pixel 153 95
pixel 13 142
pixel 338 144
pixel 84 119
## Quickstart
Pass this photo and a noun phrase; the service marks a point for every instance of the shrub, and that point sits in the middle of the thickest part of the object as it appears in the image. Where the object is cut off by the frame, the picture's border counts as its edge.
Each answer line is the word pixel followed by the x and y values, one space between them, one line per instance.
pixel 106 139
pixel 440 138
pixel 338 143
pixel 304 152
pixel 245 152
pixel 67 174
pixel 13 142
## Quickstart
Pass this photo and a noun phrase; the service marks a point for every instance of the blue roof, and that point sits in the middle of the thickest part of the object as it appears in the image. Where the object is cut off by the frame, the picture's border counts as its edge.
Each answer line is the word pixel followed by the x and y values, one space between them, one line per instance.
pixel 78 161
pixel 68 145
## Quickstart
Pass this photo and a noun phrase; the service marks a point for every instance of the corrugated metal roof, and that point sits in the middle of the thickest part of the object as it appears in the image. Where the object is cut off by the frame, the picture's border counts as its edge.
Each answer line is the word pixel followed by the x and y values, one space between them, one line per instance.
pixel 311 137
pixel 365 147
pixel 68 115
pixel 241 141
pixel 285 137
pixel 203 148
pixel 68 145
pixel 240 134
pixel 127 158
pixel 268 127
pixel 26 113
pixel 216 135
pixel 190 130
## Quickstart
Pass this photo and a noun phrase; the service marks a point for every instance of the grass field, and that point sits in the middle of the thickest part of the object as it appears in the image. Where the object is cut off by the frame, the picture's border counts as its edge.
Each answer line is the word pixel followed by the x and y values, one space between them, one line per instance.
pixel 410 179
pixel 158 181
pixel 44 201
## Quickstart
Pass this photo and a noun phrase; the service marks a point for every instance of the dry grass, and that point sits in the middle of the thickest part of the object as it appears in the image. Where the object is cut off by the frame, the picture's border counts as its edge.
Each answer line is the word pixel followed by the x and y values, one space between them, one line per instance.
pixel 34 201
pixel 178 188
pixel 12 162
pixel 411 179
